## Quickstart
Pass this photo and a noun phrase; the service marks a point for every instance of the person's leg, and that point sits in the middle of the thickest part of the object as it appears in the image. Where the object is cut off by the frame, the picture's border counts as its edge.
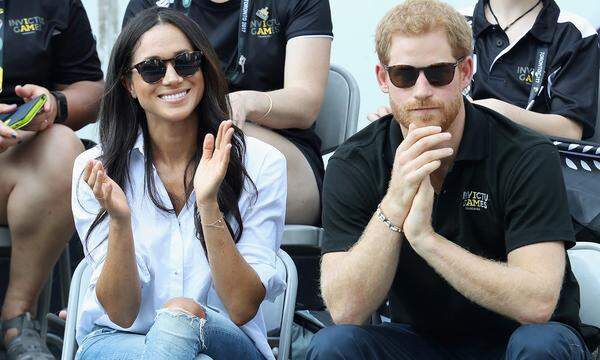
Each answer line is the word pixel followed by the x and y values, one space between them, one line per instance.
pixel 386 341
pixel 110 344
pixel 546 341
pixel 303 202
pixel 35 204
pixel 183 329
pixel 225 340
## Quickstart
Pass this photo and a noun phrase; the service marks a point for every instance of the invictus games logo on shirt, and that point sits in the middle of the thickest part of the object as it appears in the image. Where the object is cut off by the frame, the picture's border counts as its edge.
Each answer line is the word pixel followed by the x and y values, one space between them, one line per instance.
pixel 525 74
pixel 475 200
pixel 28 25
pixel 264 27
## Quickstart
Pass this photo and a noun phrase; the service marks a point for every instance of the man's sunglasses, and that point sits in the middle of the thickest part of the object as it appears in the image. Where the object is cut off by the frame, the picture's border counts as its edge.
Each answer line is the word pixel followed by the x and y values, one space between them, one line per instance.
pixel 405 76
pixel 154 69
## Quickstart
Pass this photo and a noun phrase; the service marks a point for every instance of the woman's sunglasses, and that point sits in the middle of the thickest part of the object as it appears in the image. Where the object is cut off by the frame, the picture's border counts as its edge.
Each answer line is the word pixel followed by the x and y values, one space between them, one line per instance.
pixel 154 69
pixel 405 76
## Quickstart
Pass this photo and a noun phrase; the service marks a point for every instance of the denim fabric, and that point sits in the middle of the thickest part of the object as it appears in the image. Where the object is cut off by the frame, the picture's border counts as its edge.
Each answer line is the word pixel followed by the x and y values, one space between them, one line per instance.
pixel 397 341
pixel 174 335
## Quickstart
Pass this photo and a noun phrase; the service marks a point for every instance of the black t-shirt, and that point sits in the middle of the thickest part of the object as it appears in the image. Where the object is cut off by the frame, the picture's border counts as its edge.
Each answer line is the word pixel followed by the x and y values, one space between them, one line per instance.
pixel 266 44
pixel 570 82
pixel 505 190
pixel 47 42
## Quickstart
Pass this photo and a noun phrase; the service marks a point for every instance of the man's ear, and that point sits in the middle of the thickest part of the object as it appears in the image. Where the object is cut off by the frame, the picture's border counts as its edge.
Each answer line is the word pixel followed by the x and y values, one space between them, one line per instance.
pixel 382 78
pixel 129 86
pixel 466 71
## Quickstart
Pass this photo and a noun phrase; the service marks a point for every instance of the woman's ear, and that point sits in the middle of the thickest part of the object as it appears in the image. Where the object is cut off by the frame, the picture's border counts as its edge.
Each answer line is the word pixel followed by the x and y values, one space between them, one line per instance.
pixel 129 86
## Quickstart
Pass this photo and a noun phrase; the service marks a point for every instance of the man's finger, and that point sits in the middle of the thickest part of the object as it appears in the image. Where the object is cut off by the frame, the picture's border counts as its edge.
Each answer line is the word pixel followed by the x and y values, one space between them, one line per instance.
pixel 8 133
pixel 414 134
pixel 425 143
pixel 429 156
pixel 7 108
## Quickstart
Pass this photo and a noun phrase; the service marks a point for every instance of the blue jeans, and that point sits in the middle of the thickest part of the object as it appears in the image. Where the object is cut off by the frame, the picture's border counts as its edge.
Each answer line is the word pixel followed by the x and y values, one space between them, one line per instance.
pixel 397 341
pixel 175 335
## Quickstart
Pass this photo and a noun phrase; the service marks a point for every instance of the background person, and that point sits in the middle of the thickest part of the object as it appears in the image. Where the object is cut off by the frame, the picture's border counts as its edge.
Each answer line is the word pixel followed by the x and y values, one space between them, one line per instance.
pixel 47 48
pixel 283 81
pixel 181 216
pixel 513 37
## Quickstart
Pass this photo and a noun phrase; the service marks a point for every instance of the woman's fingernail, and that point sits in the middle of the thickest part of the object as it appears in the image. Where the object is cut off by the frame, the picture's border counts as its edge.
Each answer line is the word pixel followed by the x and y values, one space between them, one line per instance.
pixel 14 135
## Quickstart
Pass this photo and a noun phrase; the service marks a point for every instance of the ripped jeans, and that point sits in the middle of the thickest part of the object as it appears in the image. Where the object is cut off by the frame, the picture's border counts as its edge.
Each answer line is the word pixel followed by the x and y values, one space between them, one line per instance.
pixel 175 335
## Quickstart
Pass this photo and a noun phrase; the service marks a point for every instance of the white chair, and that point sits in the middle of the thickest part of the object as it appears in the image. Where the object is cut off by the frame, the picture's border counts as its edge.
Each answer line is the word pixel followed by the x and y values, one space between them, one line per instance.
pixel 585 263
pixel 278 314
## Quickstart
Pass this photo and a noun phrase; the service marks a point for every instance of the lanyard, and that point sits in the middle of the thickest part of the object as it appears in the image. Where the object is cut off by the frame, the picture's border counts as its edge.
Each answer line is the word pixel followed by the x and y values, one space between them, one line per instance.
pixel 538 74
pixel 2 7
pixel 243 33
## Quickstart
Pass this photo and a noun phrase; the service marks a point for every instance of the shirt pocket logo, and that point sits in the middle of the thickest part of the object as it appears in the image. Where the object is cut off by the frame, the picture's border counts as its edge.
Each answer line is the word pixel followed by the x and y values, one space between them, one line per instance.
pixel 475 200
pixel 27 25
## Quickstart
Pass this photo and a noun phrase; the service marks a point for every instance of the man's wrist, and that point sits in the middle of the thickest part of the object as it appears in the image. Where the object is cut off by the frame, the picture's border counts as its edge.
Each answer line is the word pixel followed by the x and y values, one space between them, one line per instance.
pixel 61 108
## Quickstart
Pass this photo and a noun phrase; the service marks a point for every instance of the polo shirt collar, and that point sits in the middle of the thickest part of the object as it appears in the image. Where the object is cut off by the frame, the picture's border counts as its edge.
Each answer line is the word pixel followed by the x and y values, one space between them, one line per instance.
pixel 543 28
pixel 474 144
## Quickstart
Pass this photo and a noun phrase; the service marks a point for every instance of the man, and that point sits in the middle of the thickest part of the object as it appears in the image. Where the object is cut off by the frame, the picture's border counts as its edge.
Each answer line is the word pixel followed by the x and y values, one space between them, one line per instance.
pixel 537 65
pixel 451 212
pixel 48 48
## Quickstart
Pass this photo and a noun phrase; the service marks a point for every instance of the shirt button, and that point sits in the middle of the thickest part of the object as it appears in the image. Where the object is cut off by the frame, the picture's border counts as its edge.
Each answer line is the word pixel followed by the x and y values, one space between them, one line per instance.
pixel 499 43
pixel 176 273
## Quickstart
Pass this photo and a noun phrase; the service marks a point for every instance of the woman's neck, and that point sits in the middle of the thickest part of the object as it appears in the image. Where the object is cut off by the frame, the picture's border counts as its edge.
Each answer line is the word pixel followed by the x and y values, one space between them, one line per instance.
pixel 173 143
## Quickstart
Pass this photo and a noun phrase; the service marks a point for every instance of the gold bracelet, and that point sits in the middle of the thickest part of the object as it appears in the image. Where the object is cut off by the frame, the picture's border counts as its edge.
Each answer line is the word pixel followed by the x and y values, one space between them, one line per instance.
pixel 270 106
pixel 219 223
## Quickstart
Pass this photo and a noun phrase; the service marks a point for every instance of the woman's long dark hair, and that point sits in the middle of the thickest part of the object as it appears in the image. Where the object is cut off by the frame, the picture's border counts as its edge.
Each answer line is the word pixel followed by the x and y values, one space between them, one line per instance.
pixel 121 117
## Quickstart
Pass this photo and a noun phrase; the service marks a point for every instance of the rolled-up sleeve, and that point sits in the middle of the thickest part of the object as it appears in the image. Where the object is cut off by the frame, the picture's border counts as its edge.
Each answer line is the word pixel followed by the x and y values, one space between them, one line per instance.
pixel 263 218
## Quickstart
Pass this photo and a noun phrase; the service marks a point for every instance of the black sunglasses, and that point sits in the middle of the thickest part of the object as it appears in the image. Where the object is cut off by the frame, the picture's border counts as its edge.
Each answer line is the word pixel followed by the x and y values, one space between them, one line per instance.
pixel 154 69
pixel 405 76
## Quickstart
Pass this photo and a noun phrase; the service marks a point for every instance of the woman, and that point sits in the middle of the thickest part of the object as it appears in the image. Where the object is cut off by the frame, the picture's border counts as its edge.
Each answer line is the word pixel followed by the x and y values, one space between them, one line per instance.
pixel 182 237
pixel 277 71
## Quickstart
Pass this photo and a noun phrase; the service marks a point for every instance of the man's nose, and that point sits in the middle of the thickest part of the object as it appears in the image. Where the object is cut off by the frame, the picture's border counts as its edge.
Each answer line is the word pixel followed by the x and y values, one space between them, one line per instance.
pixel 422 88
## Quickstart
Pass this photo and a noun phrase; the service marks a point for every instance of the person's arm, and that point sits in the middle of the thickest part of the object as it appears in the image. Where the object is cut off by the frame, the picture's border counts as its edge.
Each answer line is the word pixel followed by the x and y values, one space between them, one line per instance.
pixel 525 288
pixel 355 283
pixel 83 101
pixel 118 287
pixel 298 103
pixel 548 124
pixel 236 283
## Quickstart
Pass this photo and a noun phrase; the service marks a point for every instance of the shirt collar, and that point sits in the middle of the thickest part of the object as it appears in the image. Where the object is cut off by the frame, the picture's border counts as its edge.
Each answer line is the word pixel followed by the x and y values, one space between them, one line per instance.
pixel 543 28
pixel 139 142
pixel 474 144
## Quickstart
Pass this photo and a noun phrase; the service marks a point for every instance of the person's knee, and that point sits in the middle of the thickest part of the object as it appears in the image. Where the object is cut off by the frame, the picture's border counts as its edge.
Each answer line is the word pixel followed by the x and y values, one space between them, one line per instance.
pixel 537 341
pixel 186 305
pixel 335 342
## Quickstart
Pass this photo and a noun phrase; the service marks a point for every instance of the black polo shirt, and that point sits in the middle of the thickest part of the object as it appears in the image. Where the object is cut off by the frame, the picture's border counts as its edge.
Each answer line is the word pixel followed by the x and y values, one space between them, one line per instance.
pixel 505 190
pixel 47 42
pixel 570 82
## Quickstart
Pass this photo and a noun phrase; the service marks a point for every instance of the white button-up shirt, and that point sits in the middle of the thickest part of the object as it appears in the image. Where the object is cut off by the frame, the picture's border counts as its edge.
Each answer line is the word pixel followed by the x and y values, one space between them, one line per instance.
pixel 171 261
